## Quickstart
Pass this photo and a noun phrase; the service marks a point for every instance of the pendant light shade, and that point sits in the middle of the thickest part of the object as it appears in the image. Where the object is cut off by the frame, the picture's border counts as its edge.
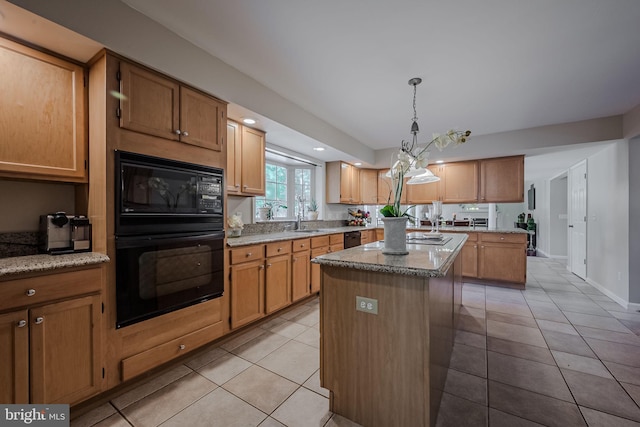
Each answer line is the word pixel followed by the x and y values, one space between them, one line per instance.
pixel 424 178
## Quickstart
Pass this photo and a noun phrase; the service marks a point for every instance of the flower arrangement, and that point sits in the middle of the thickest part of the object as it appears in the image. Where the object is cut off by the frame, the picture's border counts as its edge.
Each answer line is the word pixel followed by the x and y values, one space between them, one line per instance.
pixel 235 222
pixel 408 161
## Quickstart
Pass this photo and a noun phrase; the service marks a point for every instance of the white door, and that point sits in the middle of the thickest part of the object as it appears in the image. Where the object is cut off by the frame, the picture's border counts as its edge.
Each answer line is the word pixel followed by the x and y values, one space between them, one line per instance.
pixel 578 219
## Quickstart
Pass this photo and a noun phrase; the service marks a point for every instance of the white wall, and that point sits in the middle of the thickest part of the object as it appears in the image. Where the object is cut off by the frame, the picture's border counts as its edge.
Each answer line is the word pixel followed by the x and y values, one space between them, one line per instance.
pixel 608 219
pixel 18 198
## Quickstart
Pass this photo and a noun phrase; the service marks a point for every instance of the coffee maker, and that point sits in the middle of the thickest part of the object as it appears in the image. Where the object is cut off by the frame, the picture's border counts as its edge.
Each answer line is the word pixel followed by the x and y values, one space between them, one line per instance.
pixel 63 234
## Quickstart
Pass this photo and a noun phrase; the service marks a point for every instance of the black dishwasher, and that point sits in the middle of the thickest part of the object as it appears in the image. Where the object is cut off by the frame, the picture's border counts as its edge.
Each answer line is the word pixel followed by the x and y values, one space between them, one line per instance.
pixel 351 239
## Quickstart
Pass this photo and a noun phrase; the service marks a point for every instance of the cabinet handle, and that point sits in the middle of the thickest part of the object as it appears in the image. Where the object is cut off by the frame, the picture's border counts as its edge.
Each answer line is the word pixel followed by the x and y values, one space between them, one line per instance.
pixel 237 185
pixel 475 246
pixel 261 267
pixel 178 132
pixel 39 320
pixel 248 254
pixel 185 133
pixel 31 292
pixel 198 264
pixel 182 346
pixel 244 186
pixel 269 265
pixel 502 238
pixel 21 324
pixel 279 249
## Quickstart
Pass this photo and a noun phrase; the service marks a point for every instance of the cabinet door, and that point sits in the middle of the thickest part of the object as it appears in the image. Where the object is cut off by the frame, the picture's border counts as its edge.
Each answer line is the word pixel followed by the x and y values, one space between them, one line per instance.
pixel 65 351
pixel 300 275
pixel 277 283
pixel 247 292
pixel 369 186
pixel 315 268
pixel 150 102
pixel 424 193
pixel 500 261
pixel 43 120
pixel 469 255
pixel 502 180
pixel 346 183
pixel 200 118
pixel 252 163
pixel 459 182
pixel 234 158
pixel 14 357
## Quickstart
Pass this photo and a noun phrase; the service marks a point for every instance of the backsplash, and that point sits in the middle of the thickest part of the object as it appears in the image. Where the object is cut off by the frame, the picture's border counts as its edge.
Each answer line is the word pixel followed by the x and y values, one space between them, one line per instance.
pixel 19 244
pixel 280 226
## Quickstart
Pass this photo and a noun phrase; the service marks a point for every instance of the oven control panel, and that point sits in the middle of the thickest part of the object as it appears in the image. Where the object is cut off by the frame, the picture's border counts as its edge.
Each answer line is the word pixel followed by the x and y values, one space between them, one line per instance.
pixel 210 193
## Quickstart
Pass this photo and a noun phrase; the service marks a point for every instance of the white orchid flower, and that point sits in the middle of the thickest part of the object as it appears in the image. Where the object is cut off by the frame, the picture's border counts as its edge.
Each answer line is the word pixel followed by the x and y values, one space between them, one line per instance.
pixel 422 161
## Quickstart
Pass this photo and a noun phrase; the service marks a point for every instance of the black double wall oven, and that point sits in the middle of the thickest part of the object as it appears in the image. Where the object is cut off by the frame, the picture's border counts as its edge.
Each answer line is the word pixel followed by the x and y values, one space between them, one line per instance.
pixel 169 235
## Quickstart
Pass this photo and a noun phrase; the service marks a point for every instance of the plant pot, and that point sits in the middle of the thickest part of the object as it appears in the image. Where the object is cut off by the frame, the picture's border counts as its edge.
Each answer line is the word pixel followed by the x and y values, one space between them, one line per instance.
pixel 395 235
pixel 263 214
pixel 312 216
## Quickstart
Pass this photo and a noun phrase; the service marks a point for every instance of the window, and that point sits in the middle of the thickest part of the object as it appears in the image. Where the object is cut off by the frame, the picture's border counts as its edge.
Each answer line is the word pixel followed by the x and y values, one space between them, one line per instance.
pixel 283 185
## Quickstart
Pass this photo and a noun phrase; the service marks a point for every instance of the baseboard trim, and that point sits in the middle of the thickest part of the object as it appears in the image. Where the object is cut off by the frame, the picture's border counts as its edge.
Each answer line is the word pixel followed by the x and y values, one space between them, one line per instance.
pixel 608 293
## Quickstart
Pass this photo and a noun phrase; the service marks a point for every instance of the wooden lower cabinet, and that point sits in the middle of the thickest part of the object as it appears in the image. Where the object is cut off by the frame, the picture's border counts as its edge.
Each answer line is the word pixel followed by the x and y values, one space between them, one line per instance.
pixel 14 357
pixel 469 256
pixel 505 262
pixel 277 283
pixel 65 350
pixel 50 349
pixel 300 275
pixel 247 292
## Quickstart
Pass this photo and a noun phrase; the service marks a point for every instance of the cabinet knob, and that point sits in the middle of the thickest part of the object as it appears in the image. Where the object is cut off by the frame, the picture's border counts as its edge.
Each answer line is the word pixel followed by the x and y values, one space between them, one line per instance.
pixel 269 265
pixel 39 320
pixel 502 238
pixel 237 185
pixel 178 132
pixel 244 186
pixel 279 249
pixel 248 254
pixel 185 133
pixel 31 292
pixel 182 346
pixel 198 264
pixel 261 266
pixel 475 246
pixel 21 324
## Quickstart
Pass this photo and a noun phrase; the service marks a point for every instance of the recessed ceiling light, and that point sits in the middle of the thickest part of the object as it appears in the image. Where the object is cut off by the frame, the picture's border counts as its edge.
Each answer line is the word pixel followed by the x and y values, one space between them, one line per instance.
pixel 318 148
pixel 439 161
pixel 249 121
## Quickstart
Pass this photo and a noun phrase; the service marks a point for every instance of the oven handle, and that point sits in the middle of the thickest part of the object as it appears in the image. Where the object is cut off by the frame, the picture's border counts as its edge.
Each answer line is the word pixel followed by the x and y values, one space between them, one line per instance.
pixel 124 242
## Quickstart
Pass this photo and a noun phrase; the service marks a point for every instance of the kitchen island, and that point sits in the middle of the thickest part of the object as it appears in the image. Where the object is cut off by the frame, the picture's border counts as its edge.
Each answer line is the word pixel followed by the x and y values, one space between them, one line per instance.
pixel 387 329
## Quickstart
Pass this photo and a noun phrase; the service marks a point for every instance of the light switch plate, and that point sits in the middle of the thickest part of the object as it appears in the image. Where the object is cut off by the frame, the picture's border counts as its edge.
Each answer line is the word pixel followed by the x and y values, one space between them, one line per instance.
pixel 367 305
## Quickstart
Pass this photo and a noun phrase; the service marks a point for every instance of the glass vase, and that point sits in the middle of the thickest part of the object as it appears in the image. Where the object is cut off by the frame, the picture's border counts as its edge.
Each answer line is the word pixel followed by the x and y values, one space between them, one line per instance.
pixel 437 212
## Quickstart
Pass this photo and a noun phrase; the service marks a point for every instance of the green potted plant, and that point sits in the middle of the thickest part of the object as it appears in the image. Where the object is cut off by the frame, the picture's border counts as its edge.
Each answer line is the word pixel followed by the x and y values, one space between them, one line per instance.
pixel 312 212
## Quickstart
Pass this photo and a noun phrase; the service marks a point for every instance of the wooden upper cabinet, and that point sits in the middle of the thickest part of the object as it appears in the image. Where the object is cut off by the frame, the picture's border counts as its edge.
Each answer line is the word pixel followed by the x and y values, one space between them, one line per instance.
pixel 343 183
pixel 156 105
pixel 44 115
pixel 252 162
pixel 202 119
pixel 369 186
pixel 245 160
pixel 502 180
pixel 459 182
pixel 424 193
pixel 234 158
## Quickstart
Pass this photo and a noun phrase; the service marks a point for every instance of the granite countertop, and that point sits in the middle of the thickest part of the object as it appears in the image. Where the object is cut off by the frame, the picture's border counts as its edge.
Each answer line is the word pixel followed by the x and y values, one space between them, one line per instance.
pixel 255 239
pixel 38 263
pixel 422 260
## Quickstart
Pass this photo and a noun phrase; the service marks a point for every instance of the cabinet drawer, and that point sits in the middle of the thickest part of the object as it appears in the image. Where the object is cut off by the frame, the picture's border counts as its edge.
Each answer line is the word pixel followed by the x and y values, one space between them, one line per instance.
pixel 337 247
pixel 473 237
pixel 278 248
pixel 50 287
pixel 246 253
pixel 503 237
pixel 317 242
pixel 301 245
pixel 142 362
pixel 319 251
pixel 336 238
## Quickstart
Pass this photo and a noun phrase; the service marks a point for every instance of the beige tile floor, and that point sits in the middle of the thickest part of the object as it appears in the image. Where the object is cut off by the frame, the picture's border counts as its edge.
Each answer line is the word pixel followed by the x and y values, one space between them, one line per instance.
pixel 559 353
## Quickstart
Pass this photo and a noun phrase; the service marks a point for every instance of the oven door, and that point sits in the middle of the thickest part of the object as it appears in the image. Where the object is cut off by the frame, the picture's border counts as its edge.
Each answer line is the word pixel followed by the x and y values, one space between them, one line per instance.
pixel 161 273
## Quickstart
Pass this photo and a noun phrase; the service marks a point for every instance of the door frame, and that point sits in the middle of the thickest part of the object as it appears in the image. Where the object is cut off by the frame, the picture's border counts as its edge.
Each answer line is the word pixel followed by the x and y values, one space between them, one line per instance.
pixel 577 266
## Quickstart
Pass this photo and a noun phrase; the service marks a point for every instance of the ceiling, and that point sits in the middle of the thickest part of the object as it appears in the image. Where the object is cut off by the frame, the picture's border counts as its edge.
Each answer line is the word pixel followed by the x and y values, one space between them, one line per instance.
pixel 500 66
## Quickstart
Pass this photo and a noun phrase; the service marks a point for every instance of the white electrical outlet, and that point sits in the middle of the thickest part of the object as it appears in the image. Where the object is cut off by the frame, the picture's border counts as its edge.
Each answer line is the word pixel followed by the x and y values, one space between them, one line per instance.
pixel 367 305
